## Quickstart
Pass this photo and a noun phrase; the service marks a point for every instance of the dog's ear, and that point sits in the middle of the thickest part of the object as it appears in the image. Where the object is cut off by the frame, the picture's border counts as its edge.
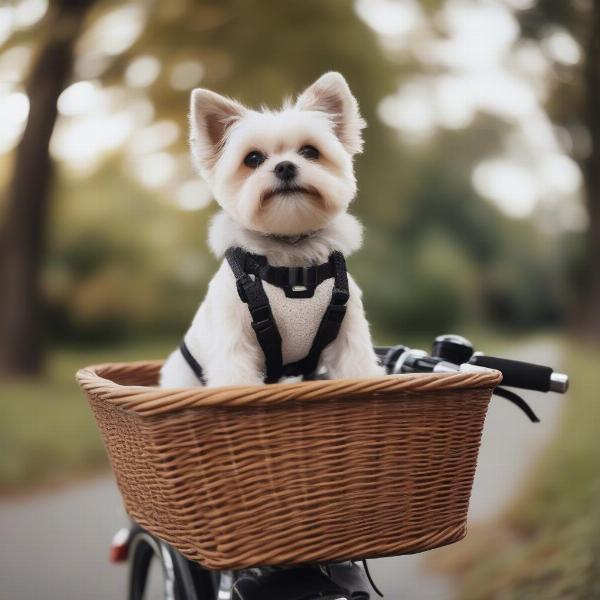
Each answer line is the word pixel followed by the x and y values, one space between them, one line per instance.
pixel 211 115
pixel 330 94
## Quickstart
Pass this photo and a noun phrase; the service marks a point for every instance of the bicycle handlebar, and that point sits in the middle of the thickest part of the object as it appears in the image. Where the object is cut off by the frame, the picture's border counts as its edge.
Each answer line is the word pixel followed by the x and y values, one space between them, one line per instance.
pixel 528 376
pixel 451 351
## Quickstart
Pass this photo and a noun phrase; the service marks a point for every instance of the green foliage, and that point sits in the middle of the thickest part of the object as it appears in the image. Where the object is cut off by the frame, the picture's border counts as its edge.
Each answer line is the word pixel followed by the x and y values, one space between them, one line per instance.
pixel 47 431
pixel 122 261
pixel 442 258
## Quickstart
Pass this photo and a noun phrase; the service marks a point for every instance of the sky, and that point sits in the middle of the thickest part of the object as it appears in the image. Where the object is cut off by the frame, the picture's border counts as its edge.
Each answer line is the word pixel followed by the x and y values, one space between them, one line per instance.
pixel 473 62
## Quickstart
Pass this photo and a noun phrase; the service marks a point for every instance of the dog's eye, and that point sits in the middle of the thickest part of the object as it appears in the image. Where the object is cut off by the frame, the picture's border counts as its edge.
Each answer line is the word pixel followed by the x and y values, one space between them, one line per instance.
pixel 309 152
pixel 254 159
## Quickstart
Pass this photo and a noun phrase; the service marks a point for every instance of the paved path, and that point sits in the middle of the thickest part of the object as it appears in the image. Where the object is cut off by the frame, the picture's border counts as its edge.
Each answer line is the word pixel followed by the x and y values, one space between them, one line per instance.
pixel 55 546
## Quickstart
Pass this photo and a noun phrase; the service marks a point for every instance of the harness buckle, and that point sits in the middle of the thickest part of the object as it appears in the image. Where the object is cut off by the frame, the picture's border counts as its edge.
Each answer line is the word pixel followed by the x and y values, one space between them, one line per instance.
pixel 300 282
pixel 261 317
pixel 300 278
pixel 241 284
pixel 339 297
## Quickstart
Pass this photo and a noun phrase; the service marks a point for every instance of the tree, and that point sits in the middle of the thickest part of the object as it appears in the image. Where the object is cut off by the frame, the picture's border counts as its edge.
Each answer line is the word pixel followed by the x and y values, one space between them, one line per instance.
pixel 23 236
pixel 574 103
pixel 591 169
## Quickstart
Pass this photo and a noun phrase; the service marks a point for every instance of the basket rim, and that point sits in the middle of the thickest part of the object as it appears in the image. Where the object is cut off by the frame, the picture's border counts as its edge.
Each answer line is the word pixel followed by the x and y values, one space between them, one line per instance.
pixel 97 380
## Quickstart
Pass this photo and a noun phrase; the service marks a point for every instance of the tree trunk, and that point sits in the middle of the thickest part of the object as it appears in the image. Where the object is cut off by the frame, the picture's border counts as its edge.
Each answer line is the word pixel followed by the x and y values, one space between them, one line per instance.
pixel 23 235
pixel 591 303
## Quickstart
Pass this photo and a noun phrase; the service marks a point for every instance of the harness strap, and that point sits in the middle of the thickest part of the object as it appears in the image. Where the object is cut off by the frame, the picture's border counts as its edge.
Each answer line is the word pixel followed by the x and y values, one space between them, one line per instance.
pixel 192 362
pixel 297 282
pixel 251 292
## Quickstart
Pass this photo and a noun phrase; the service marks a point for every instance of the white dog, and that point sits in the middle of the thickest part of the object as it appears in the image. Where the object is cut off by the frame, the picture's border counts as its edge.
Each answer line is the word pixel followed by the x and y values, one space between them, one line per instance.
pixel 284 181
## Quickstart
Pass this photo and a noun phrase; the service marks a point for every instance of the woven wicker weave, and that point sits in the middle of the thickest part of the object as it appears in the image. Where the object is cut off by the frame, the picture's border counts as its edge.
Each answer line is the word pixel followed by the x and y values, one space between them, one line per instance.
pixel 292 473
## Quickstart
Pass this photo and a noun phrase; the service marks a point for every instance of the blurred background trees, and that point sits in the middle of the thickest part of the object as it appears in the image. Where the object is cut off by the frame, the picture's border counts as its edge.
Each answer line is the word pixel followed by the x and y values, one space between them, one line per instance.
pixel 471 194
pixel 23 234
pixel 573 105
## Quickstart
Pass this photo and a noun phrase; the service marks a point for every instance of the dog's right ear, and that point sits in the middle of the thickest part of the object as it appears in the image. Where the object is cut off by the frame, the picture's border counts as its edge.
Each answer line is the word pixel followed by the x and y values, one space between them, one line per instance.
pixel 211 116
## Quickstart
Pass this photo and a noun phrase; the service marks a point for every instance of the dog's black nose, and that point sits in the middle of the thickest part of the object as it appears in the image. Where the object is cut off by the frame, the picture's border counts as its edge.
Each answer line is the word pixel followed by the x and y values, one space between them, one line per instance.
pixel 285 170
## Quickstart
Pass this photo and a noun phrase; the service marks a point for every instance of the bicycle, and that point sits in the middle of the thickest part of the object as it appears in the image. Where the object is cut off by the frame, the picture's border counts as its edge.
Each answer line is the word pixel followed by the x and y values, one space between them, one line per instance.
pixel 183 579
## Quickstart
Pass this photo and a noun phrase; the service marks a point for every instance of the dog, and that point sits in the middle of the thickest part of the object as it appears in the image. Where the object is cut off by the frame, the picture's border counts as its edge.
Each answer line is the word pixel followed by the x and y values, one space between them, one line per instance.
pixel 284 180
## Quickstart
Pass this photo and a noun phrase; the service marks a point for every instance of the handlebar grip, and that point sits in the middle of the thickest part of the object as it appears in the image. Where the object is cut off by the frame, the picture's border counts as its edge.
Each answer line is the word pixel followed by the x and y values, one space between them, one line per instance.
pixel 519 374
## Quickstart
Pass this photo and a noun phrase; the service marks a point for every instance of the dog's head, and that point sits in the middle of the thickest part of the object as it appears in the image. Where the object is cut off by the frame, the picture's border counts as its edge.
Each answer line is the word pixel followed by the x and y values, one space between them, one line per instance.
pixel 287 172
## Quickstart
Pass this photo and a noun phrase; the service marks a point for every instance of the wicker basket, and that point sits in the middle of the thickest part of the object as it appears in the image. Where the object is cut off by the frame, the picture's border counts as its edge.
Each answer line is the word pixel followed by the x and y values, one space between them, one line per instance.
pixel 317 471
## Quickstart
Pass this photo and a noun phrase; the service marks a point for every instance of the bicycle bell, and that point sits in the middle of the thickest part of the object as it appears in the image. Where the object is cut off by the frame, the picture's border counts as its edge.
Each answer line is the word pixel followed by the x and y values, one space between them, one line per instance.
pixel 452 348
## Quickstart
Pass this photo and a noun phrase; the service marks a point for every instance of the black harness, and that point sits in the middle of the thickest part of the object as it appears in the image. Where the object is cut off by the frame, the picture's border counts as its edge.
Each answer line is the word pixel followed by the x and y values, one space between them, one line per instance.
pixel 250 270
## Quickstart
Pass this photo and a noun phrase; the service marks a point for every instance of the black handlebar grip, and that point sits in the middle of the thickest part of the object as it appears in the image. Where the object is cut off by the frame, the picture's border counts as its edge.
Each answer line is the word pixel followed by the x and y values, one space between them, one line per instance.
pixel 515 373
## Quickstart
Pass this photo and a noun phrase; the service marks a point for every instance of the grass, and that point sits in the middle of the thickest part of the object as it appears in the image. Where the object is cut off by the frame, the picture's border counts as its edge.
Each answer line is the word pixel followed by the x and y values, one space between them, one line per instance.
pixel 547 546
pixel 47 432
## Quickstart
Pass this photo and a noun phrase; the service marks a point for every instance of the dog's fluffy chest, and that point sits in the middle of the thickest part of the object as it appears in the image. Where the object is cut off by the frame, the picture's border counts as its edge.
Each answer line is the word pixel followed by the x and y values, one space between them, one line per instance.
pixel 298 318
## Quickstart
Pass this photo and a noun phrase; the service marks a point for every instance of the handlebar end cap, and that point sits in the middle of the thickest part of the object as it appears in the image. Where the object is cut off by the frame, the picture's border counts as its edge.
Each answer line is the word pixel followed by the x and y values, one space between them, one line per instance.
pixel 559 383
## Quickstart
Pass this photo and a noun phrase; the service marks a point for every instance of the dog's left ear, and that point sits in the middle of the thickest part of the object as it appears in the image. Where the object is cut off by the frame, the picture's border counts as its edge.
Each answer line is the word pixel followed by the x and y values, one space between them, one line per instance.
pixel 330 94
